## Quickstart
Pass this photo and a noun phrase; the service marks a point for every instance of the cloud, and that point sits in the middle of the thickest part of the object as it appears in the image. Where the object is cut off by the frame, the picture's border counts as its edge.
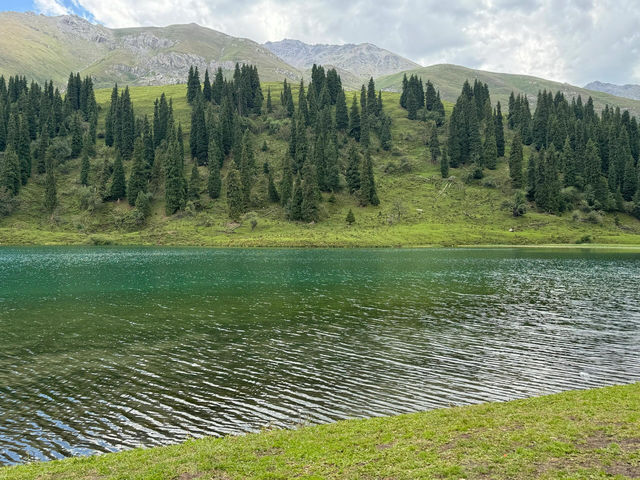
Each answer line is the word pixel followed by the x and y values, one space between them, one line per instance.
pixel 50 7
pixel 566 40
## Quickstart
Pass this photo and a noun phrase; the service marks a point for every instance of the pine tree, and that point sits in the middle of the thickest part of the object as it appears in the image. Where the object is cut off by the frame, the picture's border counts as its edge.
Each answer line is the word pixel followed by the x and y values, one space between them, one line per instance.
pixel 109 132
pixel 353 169
pixel 310 194
pixel 489 149
pixel 444 165
pixel 630 181
pixel 199 140
pixel 332 171
pixel 195 184
pixel 217 89
pixel 206 87
pixel 434 146
pixel 516 161
pixel 385 132
pixel 354 120
pixel 76 136
pixel 118 188
pixel 351 219
pixel 214 182
pixel 43 144
pixel 364 131
pixel 247 166
pixel 10 175
pixel 274 197
pixel 50 191
pixel 138 176
pixel 235 196
pixel 174 177
pixel 286 185
pixel 368 194
pixel 499 130
pixel 342 116
pixel 294 205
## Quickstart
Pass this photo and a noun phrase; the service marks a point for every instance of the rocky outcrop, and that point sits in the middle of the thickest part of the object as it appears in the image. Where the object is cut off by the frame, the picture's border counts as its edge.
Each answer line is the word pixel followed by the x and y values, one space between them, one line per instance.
pixel 363 60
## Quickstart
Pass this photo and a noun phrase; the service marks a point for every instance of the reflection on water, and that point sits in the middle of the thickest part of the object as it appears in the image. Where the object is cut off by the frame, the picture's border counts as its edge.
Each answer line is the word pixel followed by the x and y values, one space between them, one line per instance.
pixel 105 349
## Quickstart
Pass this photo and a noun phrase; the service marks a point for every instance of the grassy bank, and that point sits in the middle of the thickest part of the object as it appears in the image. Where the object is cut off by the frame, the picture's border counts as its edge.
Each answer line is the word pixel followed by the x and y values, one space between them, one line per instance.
pixel 574 435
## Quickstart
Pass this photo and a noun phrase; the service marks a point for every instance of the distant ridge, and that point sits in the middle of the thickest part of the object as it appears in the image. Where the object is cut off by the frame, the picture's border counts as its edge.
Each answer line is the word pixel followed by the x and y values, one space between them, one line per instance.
pixel 628 91
pixel 363 60
pixel 449 79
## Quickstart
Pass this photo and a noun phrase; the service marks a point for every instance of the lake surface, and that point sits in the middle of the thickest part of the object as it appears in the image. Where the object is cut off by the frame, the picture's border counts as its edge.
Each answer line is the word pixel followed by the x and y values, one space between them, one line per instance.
pixel 103 349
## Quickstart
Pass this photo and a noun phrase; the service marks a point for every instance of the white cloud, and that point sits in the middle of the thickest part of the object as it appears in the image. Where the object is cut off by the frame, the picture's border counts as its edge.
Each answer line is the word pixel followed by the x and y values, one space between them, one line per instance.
pixel 50 7
pixel 567 40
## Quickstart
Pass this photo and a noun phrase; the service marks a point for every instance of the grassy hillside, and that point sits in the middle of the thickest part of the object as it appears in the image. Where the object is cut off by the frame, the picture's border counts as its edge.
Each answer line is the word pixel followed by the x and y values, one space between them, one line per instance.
pixel 574 435
pixel 448 79
pixel 418 207
pixel 44 48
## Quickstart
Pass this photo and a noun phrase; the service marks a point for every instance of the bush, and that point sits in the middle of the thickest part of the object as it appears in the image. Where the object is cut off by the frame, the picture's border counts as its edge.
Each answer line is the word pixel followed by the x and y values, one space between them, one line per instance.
pixel 519 205
pixel 403 166
pixel 87 198
pixel 594 217
pixel 585 239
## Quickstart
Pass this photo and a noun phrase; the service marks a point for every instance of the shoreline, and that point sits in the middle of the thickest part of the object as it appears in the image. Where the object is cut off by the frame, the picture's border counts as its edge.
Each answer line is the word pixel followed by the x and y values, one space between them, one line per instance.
pixel 575 434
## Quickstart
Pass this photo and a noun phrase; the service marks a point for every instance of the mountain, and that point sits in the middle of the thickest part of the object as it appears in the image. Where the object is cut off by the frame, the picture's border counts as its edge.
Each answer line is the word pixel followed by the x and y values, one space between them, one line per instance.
pixel 362 61
pixel 449 79
pixel 43 47
pixel 628 91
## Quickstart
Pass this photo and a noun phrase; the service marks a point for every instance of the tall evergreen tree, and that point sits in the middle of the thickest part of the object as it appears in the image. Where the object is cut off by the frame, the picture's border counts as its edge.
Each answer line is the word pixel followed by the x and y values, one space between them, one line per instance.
pixel 499 130
pixel 354 120
pixel 235 196
pixel 138 177
pixel 195 184
pixel 206 86
pixel 516 162
pixel 118 188
pixel 368 194
pixel 434 146
pixel 342 116
pixel 310 194
pixel 214 182
pixel 353 169
pixel 444 165
pixel 489 148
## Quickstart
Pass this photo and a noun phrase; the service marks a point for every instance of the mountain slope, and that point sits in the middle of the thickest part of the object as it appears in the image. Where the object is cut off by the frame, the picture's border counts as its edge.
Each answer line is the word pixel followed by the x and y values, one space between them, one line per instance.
pixel 448 79
pixel 628 91
pixel 363 60
pixel 43 48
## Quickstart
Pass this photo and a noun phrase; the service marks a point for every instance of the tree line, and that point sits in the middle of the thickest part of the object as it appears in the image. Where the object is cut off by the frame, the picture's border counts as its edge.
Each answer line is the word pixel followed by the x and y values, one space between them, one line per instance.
pixel 579 157
pixel 329 146
pixel 578 154
pixel 40 129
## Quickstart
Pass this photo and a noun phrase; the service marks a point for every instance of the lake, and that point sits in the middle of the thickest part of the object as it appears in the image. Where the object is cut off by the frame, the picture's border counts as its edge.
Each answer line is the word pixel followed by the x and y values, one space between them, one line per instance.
pixel 104 349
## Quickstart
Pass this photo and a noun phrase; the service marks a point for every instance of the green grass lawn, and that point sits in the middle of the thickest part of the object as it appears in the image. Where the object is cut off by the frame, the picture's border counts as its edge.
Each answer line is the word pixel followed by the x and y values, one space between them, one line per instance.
pixel 418 207
pixel 590 434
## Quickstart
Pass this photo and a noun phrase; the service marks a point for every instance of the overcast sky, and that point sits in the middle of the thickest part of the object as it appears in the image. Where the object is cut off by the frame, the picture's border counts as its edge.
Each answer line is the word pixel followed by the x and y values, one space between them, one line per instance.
pixel 576 41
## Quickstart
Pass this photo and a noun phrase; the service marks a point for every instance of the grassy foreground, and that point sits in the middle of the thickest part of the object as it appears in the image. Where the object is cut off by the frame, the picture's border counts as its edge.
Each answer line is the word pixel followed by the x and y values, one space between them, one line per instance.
pixel 588 434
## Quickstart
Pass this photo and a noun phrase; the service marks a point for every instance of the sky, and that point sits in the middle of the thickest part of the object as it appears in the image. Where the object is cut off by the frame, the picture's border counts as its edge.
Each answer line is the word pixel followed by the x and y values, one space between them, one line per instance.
pixel 574 41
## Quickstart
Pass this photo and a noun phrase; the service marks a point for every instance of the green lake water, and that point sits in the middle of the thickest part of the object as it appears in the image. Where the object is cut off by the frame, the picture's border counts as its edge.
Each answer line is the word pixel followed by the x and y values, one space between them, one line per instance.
pixel 103 349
